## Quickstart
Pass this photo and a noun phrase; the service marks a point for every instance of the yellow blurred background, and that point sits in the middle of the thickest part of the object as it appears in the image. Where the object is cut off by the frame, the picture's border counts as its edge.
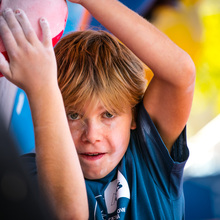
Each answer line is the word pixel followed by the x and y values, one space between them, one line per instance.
pixel 195 26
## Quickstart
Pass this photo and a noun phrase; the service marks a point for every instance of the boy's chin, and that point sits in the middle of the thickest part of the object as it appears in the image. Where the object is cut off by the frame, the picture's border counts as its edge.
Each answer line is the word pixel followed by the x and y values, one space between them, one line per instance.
pixel 94 175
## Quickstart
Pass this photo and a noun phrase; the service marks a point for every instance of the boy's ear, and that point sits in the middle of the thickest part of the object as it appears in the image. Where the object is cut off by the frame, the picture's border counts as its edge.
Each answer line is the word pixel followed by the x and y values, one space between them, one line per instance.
pixel 133 124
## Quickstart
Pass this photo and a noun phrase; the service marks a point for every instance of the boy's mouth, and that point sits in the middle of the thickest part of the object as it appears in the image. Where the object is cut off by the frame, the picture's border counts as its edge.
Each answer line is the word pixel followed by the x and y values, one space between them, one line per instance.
pixel 92 156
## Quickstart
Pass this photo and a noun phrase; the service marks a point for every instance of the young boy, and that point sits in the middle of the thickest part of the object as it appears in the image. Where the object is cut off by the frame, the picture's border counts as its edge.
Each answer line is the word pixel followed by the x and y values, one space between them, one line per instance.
pixel 129 144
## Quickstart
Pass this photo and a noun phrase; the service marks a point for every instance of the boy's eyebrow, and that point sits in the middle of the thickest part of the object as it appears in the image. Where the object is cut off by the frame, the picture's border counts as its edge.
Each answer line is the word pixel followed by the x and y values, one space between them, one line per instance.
pixel 72 109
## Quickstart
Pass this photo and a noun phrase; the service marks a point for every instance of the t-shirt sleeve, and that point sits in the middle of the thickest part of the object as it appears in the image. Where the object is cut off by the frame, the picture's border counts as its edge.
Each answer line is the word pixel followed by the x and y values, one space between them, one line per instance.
pixel 29 163
pixel 166 168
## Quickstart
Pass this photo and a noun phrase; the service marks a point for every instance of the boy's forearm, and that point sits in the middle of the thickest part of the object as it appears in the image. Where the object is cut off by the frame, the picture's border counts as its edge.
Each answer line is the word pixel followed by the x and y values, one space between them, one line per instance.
pixel 155 49
pixel 59 171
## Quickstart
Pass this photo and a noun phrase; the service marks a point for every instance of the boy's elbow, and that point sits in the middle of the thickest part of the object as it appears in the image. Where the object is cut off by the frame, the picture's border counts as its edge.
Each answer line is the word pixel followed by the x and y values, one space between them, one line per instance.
pixel 191 68
pixel 188 70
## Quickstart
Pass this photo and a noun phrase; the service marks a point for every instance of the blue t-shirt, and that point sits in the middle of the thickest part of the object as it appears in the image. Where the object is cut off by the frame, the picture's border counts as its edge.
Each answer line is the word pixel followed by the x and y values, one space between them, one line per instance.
pixel 146 184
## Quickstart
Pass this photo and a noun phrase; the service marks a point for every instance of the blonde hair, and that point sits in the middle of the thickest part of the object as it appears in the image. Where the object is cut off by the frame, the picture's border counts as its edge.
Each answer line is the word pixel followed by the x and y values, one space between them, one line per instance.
pixel 95 65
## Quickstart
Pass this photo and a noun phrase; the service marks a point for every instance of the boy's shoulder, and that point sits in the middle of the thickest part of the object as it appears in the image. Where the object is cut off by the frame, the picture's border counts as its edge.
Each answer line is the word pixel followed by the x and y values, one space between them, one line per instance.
pixel 150 139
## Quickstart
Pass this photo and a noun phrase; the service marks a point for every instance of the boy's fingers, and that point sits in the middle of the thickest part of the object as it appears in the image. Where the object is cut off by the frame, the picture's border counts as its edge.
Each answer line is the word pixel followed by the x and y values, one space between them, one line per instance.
pixel 21 29
pixel 6 35
pixel 47 39
pixel 13 25
pixel 26 26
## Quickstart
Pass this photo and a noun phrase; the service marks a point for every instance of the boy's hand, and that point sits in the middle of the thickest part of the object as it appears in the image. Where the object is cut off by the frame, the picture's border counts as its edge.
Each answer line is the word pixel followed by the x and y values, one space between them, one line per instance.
pixel 32 63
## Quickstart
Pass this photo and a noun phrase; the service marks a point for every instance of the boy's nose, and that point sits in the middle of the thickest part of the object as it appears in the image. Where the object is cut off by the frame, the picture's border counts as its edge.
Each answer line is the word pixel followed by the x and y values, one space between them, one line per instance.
pixel 92 132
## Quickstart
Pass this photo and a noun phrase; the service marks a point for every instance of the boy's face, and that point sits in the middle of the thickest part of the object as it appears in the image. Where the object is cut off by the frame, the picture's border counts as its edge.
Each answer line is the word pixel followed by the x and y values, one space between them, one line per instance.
pixel 101 139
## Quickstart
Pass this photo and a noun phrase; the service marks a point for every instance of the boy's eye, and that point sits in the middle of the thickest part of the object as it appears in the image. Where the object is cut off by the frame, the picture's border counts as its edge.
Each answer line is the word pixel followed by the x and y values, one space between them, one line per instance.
pixel 108 115
pixel 73 116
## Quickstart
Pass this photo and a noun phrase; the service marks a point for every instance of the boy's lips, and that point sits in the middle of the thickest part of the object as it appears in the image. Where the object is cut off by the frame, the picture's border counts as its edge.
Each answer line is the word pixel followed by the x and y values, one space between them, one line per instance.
pixel 92 155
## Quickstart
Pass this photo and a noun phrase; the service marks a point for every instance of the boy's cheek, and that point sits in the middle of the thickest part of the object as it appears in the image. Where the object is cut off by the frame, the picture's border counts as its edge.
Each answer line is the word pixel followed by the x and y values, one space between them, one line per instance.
pixel 76 134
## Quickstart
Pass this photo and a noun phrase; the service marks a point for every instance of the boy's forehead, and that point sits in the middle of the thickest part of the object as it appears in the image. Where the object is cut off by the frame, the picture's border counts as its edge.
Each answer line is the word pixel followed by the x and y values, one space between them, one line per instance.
pixel 55 11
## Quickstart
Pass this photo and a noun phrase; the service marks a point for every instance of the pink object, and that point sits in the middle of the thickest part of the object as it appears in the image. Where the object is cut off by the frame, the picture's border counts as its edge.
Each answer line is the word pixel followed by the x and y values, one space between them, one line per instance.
pixel 55 11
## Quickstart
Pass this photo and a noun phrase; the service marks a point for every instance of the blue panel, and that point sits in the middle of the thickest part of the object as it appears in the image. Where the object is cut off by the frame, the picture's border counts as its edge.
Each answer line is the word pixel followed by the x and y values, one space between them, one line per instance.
pixel 139 6
pixel 202 197
pixel 74 15
pixel 21 123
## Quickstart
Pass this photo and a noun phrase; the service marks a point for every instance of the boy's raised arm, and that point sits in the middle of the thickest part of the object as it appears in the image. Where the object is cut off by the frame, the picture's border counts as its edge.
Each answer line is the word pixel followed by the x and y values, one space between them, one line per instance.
pixel 169 96
pixel 32 67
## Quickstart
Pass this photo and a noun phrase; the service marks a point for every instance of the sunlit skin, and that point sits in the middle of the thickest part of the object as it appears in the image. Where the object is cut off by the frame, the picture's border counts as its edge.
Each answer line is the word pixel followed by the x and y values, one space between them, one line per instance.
pixel 101 138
